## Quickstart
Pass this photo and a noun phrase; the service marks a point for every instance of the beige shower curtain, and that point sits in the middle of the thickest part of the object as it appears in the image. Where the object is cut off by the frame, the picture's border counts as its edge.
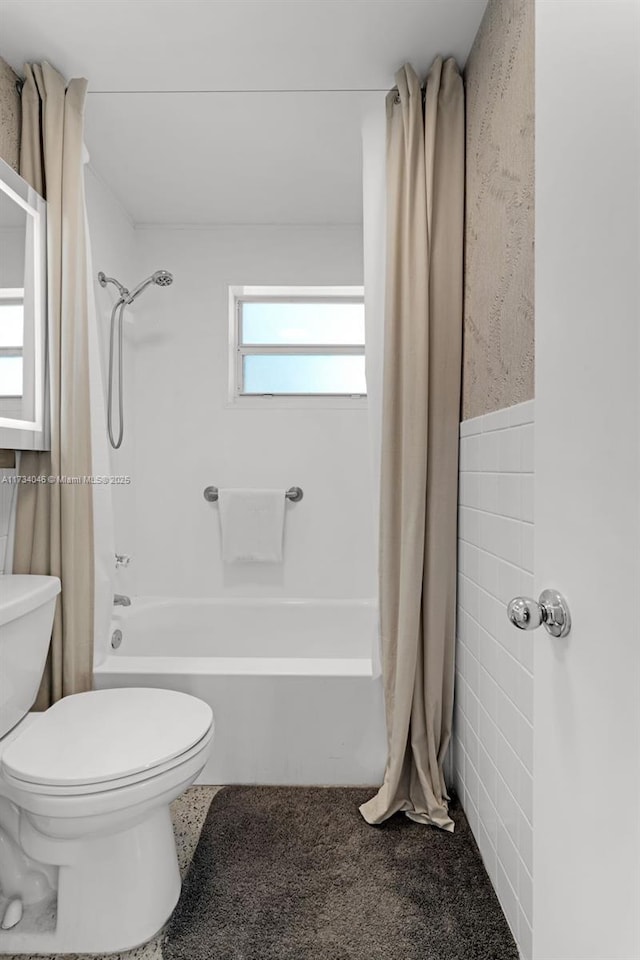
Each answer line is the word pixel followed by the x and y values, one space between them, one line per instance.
pixel 421 404
pixel 54 524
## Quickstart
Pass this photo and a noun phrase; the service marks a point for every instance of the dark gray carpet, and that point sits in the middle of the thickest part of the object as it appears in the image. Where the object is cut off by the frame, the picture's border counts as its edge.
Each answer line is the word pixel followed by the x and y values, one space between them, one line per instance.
pixel 286 873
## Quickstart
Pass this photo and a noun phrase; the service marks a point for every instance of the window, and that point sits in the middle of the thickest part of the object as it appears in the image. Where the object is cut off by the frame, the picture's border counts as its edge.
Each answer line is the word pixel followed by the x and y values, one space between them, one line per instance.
pixel 298 342
pixel 11 341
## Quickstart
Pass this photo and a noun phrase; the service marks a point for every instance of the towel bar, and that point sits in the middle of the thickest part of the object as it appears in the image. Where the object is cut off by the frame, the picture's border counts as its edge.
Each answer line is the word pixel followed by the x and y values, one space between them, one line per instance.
pixel 295 494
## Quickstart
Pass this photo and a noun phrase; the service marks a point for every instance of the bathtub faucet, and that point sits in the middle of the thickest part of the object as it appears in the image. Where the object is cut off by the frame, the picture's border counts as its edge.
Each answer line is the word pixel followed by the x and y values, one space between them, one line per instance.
pixel 119 600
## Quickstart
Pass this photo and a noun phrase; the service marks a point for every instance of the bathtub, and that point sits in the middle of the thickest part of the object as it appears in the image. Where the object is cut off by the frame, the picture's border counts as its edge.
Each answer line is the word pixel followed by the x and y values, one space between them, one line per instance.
pixel 291 683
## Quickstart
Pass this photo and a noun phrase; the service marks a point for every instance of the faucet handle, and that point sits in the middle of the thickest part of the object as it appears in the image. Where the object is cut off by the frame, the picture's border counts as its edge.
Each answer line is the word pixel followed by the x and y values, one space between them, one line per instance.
pixel 122 560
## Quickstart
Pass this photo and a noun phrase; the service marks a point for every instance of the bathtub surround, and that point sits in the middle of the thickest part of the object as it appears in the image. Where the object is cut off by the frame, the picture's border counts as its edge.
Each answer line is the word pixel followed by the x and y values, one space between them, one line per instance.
pixel 423 331
pixel 181 354
pixel 54 524
pixel 499 253
pixel 493 730
pixel 297 874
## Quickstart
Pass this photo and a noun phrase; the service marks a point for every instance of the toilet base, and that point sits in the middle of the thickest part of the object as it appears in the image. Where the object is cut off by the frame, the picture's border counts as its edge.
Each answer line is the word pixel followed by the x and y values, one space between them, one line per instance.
pixel 115 891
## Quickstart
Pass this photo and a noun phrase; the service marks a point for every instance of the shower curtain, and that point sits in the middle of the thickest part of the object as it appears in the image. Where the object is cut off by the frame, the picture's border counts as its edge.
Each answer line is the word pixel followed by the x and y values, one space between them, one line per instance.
pixel 54 520
pixel 419 470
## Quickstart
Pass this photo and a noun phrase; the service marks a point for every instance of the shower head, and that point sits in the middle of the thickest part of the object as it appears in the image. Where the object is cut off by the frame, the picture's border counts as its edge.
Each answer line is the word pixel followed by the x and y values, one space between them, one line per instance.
pixel 162 278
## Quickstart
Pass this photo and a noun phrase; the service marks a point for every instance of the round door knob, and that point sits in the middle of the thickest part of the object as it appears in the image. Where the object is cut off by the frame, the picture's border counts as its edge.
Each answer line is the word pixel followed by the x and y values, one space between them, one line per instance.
pixel 524 613
pixel 550 609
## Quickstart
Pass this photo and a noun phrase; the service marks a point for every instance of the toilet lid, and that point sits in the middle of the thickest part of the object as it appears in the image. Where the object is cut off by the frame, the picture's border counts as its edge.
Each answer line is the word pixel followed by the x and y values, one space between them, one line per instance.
pixel 107 734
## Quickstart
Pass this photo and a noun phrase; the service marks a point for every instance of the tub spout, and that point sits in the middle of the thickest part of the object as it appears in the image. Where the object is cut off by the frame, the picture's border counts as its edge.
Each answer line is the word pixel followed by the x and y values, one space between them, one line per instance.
pixel 119 600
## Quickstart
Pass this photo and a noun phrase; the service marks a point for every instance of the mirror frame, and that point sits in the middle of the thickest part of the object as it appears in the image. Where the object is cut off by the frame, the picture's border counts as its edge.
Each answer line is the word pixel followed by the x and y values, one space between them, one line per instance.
pixel 33 434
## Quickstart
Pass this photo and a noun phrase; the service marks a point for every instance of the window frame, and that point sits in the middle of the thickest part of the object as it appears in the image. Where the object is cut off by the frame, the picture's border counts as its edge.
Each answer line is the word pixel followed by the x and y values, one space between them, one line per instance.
pixel 13 296
pixel 238 295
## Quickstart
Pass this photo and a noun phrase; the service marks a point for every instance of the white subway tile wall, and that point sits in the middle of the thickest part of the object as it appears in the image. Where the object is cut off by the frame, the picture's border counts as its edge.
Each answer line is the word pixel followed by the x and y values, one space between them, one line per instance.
pixel 493 724
pixel 8 494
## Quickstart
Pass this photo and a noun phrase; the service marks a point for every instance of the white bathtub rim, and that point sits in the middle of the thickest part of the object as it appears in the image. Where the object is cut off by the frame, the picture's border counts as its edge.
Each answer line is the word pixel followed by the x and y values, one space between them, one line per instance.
pixel 123 665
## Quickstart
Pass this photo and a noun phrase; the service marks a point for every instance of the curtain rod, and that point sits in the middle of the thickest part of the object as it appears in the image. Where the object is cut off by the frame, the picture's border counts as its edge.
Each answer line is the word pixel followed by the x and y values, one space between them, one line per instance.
pixel 288 90
pixel 20 84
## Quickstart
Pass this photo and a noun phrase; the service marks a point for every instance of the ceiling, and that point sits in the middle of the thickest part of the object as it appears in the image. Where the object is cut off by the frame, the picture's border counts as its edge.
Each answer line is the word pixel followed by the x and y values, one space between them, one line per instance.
pixel 234 111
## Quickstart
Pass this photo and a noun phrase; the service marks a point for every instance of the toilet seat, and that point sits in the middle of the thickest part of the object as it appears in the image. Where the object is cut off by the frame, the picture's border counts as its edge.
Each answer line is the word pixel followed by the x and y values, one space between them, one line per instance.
pixel 105 788
pixel 107 739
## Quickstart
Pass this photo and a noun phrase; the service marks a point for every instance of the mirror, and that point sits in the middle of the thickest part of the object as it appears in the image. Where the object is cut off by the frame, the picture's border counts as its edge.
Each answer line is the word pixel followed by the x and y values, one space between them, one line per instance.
pixel 23 405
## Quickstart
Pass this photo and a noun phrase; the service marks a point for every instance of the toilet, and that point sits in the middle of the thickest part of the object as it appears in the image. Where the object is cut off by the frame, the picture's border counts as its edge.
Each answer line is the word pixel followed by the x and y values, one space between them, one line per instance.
pixel 87 854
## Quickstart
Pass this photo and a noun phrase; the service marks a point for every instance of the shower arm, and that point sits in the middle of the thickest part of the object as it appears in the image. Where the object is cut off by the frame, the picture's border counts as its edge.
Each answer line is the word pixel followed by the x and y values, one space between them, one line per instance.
pixel 104 280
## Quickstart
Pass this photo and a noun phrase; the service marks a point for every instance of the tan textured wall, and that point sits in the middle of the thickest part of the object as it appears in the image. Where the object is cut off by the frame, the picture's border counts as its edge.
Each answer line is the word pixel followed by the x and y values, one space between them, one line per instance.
pixel 9 116
pixel 499 255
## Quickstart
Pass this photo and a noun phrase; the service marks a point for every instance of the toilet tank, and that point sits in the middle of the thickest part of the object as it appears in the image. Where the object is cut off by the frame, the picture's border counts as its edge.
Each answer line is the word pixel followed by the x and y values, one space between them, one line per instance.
pixel 27 606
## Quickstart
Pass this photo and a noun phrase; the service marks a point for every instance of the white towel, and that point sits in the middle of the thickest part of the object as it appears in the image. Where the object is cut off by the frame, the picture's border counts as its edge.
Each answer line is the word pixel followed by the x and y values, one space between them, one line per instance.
pixel 252 523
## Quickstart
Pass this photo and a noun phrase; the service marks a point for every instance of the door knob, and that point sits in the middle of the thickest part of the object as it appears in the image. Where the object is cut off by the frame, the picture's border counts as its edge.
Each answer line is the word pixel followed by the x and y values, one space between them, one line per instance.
pixel 550 609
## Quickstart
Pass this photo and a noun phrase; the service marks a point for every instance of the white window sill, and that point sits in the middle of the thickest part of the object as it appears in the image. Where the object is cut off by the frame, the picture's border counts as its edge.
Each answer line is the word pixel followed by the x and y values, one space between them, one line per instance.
pixel 296 403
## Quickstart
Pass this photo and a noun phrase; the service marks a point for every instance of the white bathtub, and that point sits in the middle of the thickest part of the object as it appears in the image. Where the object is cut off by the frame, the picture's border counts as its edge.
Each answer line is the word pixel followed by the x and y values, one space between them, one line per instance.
pixel 291 683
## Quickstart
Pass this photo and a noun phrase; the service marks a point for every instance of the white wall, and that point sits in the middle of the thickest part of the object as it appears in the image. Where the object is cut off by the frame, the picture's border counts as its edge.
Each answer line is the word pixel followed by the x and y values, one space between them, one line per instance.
pixel 587 480
pixel 493 731
pixel 113 243
pixel 12 244
pixel 374 210
pixel 187 436
pixel 113 251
